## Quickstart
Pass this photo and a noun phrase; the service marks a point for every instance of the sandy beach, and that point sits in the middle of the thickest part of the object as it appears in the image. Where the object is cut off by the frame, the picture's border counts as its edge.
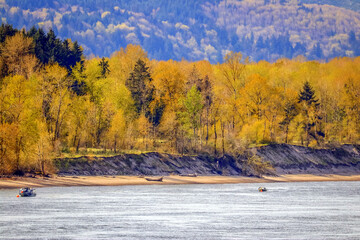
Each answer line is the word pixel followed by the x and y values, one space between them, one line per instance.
pixel 18 182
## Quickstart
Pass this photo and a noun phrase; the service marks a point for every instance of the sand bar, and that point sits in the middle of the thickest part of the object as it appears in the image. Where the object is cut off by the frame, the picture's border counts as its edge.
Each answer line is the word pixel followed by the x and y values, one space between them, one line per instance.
pixel 18 182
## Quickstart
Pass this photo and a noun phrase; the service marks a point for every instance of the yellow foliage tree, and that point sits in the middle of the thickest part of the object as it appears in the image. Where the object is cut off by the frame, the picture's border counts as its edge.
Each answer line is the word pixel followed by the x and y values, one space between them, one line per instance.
pixel 54 88
pixel 117 130
pixel 144 129
pixel 17 54
pixel 18 112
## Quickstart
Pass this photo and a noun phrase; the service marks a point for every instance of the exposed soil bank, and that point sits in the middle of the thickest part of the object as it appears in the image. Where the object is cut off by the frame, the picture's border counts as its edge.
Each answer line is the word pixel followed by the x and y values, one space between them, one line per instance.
pixel 291 163
pixel 150 164
pixel 289 159
pixel 135 180
pixel 286 159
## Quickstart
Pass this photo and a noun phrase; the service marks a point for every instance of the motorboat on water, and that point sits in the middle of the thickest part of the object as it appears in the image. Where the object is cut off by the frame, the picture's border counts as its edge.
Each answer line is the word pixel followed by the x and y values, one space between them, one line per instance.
pixel 262 189
pixel 27 192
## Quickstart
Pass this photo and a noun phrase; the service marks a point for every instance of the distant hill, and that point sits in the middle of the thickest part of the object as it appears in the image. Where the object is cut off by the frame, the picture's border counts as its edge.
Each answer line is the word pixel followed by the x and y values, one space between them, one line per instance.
pixel 202 29
pixel 349 4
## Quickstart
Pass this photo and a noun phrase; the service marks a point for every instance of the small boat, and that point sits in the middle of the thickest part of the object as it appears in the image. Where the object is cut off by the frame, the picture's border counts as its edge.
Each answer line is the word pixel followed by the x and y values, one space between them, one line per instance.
pixel 27 192
pixel 154 179
pixel 262 189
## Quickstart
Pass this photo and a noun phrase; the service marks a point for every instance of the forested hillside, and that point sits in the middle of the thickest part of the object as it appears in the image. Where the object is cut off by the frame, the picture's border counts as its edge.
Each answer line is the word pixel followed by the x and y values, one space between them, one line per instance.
pixel 197 30
pixel 51 106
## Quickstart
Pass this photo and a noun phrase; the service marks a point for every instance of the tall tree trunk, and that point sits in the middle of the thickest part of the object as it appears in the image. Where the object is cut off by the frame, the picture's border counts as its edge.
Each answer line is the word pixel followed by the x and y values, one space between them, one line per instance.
pixel 200 133
pixel 302 140
pixel 56 131
pixel 286 133
pixel 307 128
pixel 42 161
pixel 215 138
pixel 98 130
pixel 194 139
pixel 347 130
pixel 154 136
pixel 264 132
pixel 272 130
pixel 78 145
pixel 175 142
pixel 207 125
pixel 307 134
pixel 2 155
pixel 222 124
pixel 233 119
pixel 182 143
pixel 146 144
pixel 17 153
pixel 75 137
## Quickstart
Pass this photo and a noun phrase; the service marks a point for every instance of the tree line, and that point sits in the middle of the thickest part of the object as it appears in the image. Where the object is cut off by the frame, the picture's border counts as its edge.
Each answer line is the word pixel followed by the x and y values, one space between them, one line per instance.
pixel 129 102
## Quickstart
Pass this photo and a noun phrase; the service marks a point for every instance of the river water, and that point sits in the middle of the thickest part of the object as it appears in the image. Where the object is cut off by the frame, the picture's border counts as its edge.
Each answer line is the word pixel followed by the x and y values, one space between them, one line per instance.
pixel 315 210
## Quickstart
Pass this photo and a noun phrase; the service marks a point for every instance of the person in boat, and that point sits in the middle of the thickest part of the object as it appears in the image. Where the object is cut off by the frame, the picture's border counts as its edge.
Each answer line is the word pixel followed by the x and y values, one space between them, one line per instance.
pixel 24 190
pixel 27 192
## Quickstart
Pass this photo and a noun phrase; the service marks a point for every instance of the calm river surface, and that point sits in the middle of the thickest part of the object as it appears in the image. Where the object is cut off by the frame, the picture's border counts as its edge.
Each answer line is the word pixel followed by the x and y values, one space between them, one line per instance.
pixel 325 210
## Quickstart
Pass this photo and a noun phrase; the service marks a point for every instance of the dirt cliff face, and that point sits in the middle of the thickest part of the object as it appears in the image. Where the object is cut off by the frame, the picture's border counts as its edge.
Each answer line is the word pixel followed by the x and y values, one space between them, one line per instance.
pixel 290 159
pixel 150 164
pixel 286 159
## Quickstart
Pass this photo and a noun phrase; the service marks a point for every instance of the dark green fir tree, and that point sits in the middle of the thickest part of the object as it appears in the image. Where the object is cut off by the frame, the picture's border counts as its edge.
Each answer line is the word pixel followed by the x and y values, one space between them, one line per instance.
pixel 307 95
pixel 140 85
pixel 104 67
pixel 310 108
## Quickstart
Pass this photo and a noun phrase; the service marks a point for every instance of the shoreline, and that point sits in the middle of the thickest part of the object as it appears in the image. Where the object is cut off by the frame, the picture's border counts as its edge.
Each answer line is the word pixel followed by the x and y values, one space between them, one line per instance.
pixel 18 182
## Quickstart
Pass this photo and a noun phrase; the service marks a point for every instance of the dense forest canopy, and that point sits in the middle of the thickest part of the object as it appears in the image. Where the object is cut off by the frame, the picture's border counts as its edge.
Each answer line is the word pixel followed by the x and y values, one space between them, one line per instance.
pixel 53 101
pixel 198 30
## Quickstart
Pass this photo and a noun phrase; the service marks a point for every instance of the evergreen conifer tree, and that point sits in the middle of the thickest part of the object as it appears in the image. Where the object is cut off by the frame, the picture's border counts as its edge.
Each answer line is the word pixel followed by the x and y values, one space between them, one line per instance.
pixel 77 54
pixel 6 30
pixel 309 106
pixel 40 46
pixel 140 85
pixel 65 55
pixel 307 95
pixel 104 65
pixel 53 46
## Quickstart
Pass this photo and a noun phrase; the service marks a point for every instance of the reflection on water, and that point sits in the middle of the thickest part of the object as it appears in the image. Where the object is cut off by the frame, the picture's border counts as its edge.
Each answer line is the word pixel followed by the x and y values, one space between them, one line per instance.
pixel 327 210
